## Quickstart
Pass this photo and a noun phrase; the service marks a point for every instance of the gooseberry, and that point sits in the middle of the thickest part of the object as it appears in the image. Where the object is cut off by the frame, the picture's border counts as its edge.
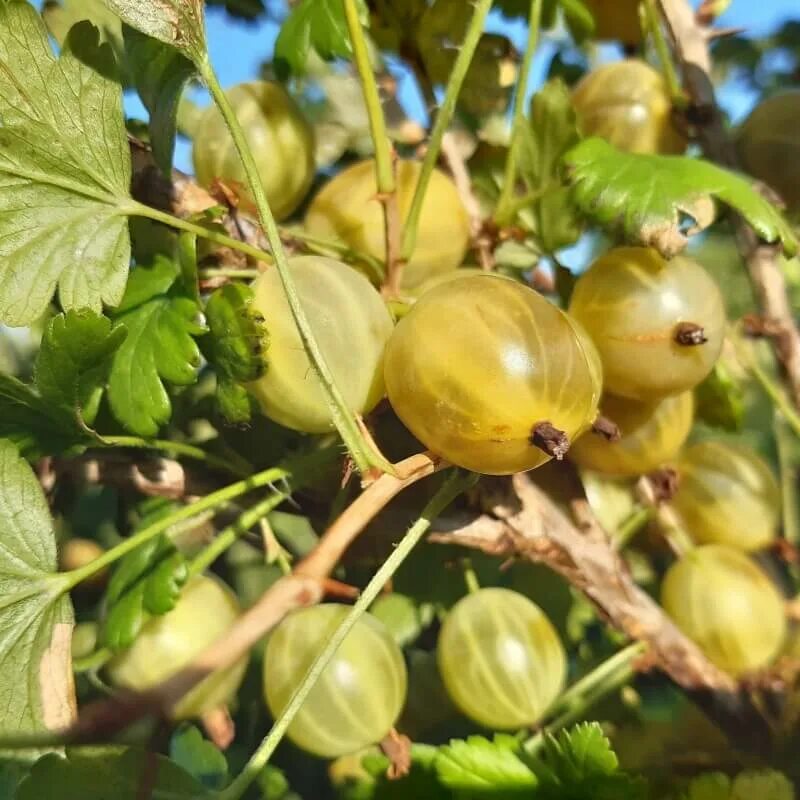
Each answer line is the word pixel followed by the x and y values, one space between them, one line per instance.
pixel 280 138
pixel 722 601
pixel 204 612
pixel 627 103
pixel 768 146
pixel 650 435
pixel 727 495
pixel 501 660
pixel 359 695
pixel 658 325
pixel 347 208
pixel 351 325
pixel 491 376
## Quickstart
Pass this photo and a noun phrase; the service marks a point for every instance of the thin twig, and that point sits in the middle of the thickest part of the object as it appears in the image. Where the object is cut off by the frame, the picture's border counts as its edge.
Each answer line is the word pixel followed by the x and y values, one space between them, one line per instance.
pixel 690 43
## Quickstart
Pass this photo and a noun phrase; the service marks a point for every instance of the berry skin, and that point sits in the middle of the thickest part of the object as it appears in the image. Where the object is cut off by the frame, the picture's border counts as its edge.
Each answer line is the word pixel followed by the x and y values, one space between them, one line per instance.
pixel 651 435
pixel 347 208
pixel 351 325
pixel 480 366
pixel 279 136
pixel 203 613
pixel 501 659
pixel 720 599
pixel 360 693
pixel 627 104
pixel 727 495
pixel 658 325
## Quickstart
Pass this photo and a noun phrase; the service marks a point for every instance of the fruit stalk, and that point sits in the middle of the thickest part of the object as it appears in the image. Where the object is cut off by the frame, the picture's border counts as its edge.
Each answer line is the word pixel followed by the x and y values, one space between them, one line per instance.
pixel 459 73
pixel 384 155
pixel 456 483
pixel 652 23
pixel 363 454
pixel 504 211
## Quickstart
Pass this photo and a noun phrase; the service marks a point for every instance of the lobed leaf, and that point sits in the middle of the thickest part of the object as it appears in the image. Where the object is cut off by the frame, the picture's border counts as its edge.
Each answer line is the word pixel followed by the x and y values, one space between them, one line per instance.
pixel 647 197
pixel 199 757
pixel 64 170
pixel 36 617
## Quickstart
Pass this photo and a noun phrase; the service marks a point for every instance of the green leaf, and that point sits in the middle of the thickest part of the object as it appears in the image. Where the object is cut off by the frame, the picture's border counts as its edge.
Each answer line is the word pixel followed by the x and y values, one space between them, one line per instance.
pixel 107 772
pixel 60 16
pixel 148 580
pixel 720 400
pixel 35 613
pixel 313 24
pixel 199 757
pixel 161 321
pixel 74 360
pixel 553 130
pixel 178 23
pixel 272 783
pixel 235 346
pixel 480 766
pixel 64 170
pixel 402 615
pixel 748 785
pixel 160 73
pixel 648 196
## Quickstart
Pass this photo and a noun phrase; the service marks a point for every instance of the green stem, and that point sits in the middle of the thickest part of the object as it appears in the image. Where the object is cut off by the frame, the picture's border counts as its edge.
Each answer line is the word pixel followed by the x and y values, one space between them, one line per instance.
pixel 470 578
pixel 180 448
pixel 579 698
pixel 457 76
pixel 652 20
pixel 631 525
pixel 93 661
pixel 384 174
pixel 224 539
pixel 362 452
pixel 503 212
pixel 787 462
pixel 228 272
pixel 322 246
pixel 456 483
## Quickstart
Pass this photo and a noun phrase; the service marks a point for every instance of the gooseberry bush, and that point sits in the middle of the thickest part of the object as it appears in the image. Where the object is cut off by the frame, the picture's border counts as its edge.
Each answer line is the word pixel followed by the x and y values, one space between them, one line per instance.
pixel 373 457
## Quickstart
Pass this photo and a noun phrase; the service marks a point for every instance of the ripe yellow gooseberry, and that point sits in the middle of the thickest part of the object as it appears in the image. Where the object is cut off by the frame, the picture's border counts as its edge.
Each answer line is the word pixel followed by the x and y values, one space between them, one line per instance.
pixel 627 103
pixel 658 325
pixel 279 136
pixel 727 495
pixel 651 434
pixel 616 19
pixel 347 208
pixel 722 601
pixel 480 365
pixel 351 325
pixel 769 148
pixel 204 612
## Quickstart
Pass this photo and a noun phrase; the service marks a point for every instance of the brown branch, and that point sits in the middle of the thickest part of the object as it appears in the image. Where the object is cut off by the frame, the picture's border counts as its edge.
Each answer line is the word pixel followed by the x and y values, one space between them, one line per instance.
pixel 303 587
pixel 690 43
pixel 526 523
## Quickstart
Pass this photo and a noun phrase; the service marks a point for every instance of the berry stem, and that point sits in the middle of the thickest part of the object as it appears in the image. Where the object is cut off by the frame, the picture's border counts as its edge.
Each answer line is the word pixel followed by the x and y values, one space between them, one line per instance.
pixel 363 454
pixel 505 210
pixel 456 483
pixel 457 76
pixel 651 24
pixel 470 578
pixel 573 704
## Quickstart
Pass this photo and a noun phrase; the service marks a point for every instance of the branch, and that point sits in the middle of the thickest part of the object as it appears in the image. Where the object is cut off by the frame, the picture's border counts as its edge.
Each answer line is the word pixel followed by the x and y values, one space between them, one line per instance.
pixel 525 523
pixel 690 44
pixel 303 587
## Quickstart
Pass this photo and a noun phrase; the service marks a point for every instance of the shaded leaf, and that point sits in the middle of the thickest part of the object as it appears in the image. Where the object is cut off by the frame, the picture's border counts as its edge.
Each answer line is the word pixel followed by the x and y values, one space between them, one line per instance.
pixel 64 170
pixel 35 613
pixel 61 15
pixel 179 23
pixel 719 399
pixel 107 772
pixel 199 757
pixel 162 321
pixel 647 197
pixel 159 73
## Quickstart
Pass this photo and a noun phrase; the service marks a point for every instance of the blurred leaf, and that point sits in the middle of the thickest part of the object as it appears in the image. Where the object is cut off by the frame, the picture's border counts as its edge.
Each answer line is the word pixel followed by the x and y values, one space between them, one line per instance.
pixel 247 10
pixel 64 170
pixel 37 694
pixel 148 580
pixel 198 757
pixel 313 24
pixel 272 783
pixel 178 23
pixel 749 785
pixel 159 73
pixel 421 783
pixel 235 347
pixel 578 18
pixel 648 196
pixel 107 772
pixel 162 320
pixel 719 399
pixel 402 616
pixel 480 766
pixel 294 532
pixel 61 15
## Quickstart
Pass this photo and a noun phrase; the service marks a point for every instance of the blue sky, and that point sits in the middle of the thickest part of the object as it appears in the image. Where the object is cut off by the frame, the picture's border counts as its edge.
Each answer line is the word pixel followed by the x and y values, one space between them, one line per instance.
pixel 237 50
